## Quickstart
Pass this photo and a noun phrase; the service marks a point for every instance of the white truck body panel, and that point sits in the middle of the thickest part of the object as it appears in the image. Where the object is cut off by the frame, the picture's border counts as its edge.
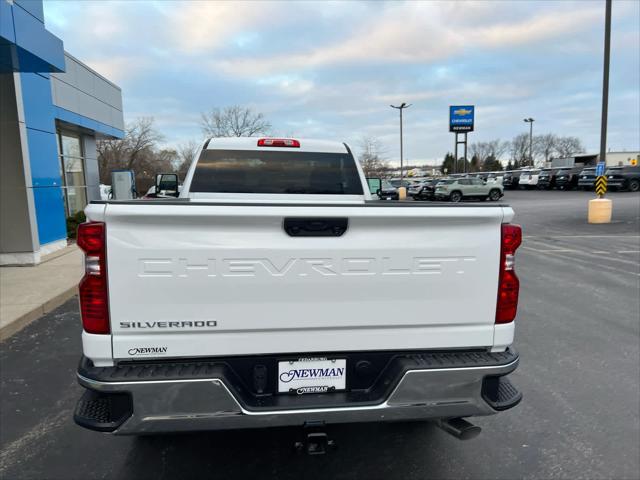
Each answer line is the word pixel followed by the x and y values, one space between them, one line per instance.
pixel 433 286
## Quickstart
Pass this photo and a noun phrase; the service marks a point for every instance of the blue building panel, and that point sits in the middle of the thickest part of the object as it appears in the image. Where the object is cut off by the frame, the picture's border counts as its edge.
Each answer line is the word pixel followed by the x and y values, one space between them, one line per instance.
pixel 33 7
pixel 35 39
pixel 7 32
pixel 43 158
pixel 50 214
pixel 75 119
pixel 38 105
pixel 25 44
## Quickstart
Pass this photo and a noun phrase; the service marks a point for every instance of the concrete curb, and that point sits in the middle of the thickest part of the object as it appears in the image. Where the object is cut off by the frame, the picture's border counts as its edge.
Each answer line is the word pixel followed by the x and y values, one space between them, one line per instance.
pixel 23 320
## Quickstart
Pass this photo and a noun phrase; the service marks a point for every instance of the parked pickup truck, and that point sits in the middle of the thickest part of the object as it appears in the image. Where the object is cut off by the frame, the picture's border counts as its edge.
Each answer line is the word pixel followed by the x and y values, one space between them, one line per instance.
pixel 273 292
pixel 624 178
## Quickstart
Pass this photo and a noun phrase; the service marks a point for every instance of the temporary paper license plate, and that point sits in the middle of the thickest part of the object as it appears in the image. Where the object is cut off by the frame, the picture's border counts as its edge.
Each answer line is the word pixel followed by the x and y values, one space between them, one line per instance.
pixel 312 375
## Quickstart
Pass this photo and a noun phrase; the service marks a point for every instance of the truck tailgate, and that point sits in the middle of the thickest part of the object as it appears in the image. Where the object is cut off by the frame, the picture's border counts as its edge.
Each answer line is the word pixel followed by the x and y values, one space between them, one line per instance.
pixel 212 279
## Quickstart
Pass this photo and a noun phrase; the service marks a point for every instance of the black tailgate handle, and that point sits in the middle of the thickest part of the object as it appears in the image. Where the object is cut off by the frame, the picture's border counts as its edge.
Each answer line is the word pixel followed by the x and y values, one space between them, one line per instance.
pixel 315 227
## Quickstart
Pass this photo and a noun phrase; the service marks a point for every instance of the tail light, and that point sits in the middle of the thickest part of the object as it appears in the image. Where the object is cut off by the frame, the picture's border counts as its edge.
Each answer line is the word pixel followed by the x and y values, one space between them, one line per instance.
pixel 278 142
pixel 508 283
pixel 94 305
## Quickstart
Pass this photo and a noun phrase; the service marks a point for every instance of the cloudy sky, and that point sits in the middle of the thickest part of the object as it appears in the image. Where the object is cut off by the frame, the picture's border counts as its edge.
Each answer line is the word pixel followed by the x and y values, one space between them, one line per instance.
pixel 330 70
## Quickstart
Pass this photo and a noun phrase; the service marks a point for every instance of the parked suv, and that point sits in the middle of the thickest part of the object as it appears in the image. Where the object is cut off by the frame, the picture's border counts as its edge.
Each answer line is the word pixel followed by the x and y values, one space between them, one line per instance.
pixel 547 179
pixel 425 190
pixel 388 191
pixel 511 179
pixel 567 178
pixel 587 179
pixel 529 177
pixel 457 189
pixel 495 177
pixel 623 178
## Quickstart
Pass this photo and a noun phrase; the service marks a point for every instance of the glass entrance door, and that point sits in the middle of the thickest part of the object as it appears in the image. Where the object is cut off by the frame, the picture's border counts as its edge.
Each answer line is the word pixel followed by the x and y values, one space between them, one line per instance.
pixel 72 163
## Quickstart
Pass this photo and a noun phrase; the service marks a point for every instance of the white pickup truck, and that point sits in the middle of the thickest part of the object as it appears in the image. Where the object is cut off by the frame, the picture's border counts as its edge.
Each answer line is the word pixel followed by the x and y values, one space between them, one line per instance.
pixel 274 291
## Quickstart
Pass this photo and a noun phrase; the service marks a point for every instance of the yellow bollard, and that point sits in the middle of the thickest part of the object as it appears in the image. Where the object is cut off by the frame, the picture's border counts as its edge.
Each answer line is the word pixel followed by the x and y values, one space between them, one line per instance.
pixel 600 210
pixel 402 193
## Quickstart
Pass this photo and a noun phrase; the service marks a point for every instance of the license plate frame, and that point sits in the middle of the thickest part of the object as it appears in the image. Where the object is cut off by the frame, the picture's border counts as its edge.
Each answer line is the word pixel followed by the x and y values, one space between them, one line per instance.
pixel 306 375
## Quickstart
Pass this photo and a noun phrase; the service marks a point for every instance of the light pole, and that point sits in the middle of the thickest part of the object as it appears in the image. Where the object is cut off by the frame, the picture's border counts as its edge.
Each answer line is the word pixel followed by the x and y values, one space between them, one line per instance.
pixel 600 208
pixel 605 82
pixel 401 107
pixel 530 122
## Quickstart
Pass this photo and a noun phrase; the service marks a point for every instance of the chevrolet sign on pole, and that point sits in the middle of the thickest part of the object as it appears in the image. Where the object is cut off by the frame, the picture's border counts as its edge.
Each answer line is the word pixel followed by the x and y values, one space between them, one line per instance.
pixel 461 118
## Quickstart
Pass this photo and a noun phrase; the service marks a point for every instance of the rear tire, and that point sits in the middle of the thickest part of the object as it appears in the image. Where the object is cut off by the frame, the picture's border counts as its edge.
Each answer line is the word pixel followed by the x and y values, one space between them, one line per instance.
pixel 634 185
pixel 494 195
pixel 455 197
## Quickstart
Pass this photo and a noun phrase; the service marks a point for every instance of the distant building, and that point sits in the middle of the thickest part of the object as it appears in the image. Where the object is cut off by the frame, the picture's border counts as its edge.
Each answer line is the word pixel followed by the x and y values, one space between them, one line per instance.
pixel 613 159
pixel 53 109
pixel 622 158
pixel 577 160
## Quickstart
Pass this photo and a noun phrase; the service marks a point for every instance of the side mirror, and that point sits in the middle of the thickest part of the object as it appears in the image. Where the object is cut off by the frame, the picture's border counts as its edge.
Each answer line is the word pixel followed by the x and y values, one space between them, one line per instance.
pixel 167 185
pixel 375 185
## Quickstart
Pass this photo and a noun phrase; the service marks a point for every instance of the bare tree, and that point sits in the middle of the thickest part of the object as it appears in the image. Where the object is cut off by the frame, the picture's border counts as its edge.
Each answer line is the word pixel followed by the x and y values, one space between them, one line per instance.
pixel 479 150
pixel 482 151
pixel 498 148
pixel 136 151
pixel 568 147
pixel 519 149
pixel 371 159
pixel 141 136
pixel 544 146
pixel 234 121
pixel 185 155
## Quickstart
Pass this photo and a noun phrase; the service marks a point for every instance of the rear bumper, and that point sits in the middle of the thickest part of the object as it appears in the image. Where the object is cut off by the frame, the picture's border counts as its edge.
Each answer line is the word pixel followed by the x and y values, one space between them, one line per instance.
pixel 194 395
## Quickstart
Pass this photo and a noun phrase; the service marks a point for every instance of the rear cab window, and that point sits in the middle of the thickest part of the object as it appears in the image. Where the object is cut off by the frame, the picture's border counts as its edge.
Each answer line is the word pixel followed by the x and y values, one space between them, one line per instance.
pixel 276 172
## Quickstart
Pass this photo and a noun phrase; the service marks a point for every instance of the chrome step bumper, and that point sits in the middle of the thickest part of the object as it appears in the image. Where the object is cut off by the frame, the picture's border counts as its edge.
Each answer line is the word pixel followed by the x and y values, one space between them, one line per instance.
pixel 189 404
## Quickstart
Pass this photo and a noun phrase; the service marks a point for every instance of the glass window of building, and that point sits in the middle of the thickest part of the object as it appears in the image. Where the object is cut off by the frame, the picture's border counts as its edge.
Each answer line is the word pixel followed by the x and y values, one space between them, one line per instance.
pixel 72 164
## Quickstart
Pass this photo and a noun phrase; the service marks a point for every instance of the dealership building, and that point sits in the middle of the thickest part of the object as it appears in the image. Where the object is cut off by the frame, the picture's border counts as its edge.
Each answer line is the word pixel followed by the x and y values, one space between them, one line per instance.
pixel 53 108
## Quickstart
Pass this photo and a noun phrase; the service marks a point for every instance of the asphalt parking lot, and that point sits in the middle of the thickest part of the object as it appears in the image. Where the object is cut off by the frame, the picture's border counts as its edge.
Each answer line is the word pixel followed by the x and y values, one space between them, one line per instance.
pixel 577 332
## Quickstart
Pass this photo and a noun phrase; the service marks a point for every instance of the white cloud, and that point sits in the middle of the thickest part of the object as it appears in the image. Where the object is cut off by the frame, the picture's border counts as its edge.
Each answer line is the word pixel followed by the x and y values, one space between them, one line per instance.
pixel 414 32
pixel 421 32
pixel 118 68
pixel 202 27
pixel 545 27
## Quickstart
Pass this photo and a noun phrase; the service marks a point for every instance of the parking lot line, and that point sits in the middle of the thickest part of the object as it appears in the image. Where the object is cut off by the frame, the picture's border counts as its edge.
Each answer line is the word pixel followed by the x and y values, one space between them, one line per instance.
pixel 592 254
pixel 558 250
pixel 596 265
